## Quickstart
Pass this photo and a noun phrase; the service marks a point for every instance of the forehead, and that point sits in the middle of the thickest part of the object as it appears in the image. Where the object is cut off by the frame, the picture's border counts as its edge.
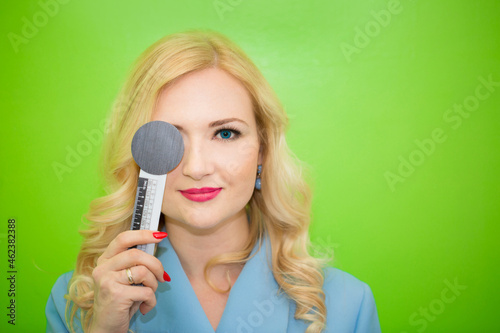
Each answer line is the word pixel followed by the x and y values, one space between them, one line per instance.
pixel 203 97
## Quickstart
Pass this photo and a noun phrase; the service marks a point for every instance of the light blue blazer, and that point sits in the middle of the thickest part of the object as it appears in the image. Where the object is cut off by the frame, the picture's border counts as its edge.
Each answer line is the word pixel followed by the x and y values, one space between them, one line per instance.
pixel 254 304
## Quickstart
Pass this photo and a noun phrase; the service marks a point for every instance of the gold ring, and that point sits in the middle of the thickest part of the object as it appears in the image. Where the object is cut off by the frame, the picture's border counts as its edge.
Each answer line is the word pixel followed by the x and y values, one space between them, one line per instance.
pixel 129 275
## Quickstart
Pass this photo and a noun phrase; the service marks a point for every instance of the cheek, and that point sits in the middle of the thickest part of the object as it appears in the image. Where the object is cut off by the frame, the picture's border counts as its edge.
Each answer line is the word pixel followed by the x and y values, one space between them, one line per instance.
pixel 172 178
pixel 240 165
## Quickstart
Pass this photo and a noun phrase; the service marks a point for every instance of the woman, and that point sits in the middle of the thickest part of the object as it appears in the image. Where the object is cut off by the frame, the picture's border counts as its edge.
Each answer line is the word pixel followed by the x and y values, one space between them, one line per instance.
pixel 236 211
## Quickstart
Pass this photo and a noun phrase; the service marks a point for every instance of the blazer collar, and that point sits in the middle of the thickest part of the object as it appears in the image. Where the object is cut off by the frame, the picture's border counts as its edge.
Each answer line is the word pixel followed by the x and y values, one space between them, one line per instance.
pixel 254 304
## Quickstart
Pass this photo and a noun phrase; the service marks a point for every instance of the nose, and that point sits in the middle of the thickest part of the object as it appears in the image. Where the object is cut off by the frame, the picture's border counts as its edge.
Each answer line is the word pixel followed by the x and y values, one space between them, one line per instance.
pixel 196 162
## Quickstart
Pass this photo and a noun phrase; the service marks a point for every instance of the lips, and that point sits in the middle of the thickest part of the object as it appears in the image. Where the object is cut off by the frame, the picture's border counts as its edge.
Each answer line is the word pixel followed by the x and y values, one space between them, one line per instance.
pixel 201 194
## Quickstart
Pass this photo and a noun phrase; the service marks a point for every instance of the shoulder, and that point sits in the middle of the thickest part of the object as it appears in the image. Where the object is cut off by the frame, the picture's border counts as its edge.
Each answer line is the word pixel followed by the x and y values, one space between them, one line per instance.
pixel 350 303
pixel 56 304
pixel 342 284
pixel 60 288
pixel 62 281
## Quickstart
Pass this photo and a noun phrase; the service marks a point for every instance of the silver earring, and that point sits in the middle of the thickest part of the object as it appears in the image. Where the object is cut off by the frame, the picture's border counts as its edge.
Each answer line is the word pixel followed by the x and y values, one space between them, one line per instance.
pixel 257 181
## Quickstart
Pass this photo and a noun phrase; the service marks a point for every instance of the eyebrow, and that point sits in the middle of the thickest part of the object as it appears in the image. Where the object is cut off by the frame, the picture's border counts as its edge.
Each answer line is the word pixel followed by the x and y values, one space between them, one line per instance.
pixel 225 121
pixel 217 123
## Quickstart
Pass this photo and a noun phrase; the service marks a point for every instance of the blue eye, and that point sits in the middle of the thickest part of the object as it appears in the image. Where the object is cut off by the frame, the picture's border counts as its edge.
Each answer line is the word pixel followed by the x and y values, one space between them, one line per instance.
pixel 226 134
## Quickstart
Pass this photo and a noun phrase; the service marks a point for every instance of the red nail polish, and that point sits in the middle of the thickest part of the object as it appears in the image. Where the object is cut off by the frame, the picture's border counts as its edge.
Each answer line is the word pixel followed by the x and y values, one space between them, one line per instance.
pixel 166 277
pixel 159 235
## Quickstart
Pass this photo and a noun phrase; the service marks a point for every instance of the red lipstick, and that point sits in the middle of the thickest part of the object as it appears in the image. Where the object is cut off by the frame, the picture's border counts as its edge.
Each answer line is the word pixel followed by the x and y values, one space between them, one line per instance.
pixel 201 194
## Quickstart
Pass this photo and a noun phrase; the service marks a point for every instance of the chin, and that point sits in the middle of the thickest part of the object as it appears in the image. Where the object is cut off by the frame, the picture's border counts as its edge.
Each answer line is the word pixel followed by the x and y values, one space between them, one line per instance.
pixel 197 222
pixel 201 223
pixel 204 220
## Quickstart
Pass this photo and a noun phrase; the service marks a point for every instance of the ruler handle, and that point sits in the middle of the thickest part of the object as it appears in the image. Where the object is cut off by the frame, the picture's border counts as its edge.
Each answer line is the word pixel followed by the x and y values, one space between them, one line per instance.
pixel 147 205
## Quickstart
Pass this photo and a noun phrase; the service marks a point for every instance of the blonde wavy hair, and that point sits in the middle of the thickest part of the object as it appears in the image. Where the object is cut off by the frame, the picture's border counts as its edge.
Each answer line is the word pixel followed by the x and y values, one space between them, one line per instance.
pixel 281 208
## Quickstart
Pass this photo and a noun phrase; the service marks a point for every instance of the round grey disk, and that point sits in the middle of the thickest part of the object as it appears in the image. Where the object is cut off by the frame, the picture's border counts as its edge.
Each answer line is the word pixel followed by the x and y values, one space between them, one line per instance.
pixel 157 147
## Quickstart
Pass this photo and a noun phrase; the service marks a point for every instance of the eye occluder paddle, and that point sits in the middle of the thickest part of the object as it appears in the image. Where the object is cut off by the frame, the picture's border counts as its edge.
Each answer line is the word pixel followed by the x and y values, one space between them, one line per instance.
pixel 157 147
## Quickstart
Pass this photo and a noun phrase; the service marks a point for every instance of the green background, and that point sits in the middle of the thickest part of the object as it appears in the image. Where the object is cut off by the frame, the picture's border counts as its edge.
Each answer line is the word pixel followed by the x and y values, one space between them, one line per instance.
pixel 356 114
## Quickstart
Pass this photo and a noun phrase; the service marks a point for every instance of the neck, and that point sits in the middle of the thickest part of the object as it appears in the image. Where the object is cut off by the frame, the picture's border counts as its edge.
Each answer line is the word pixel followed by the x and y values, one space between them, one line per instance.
pixel 196 246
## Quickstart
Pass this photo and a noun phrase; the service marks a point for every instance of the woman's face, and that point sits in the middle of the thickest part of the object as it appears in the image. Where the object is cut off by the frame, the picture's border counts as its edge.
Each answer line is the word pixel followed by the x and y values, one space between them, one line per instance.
pixel 216 177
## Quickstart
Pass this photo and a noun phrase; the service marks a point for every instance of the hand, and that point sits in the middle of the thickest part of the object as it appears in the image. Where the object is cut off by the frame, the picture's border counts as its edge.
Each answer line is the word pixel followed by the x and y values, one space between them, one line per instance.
pixel 115 300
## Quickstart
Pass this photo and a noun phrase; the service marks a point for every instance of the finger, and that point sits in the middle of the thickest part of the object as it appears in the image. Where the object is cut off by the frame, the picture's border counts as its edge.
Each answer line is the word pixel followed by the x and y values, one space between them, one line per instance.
pixel 131 258
pixel 134 308
pixel 145 307
pixel 142 294
pixel 130 238
pixel 139 274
